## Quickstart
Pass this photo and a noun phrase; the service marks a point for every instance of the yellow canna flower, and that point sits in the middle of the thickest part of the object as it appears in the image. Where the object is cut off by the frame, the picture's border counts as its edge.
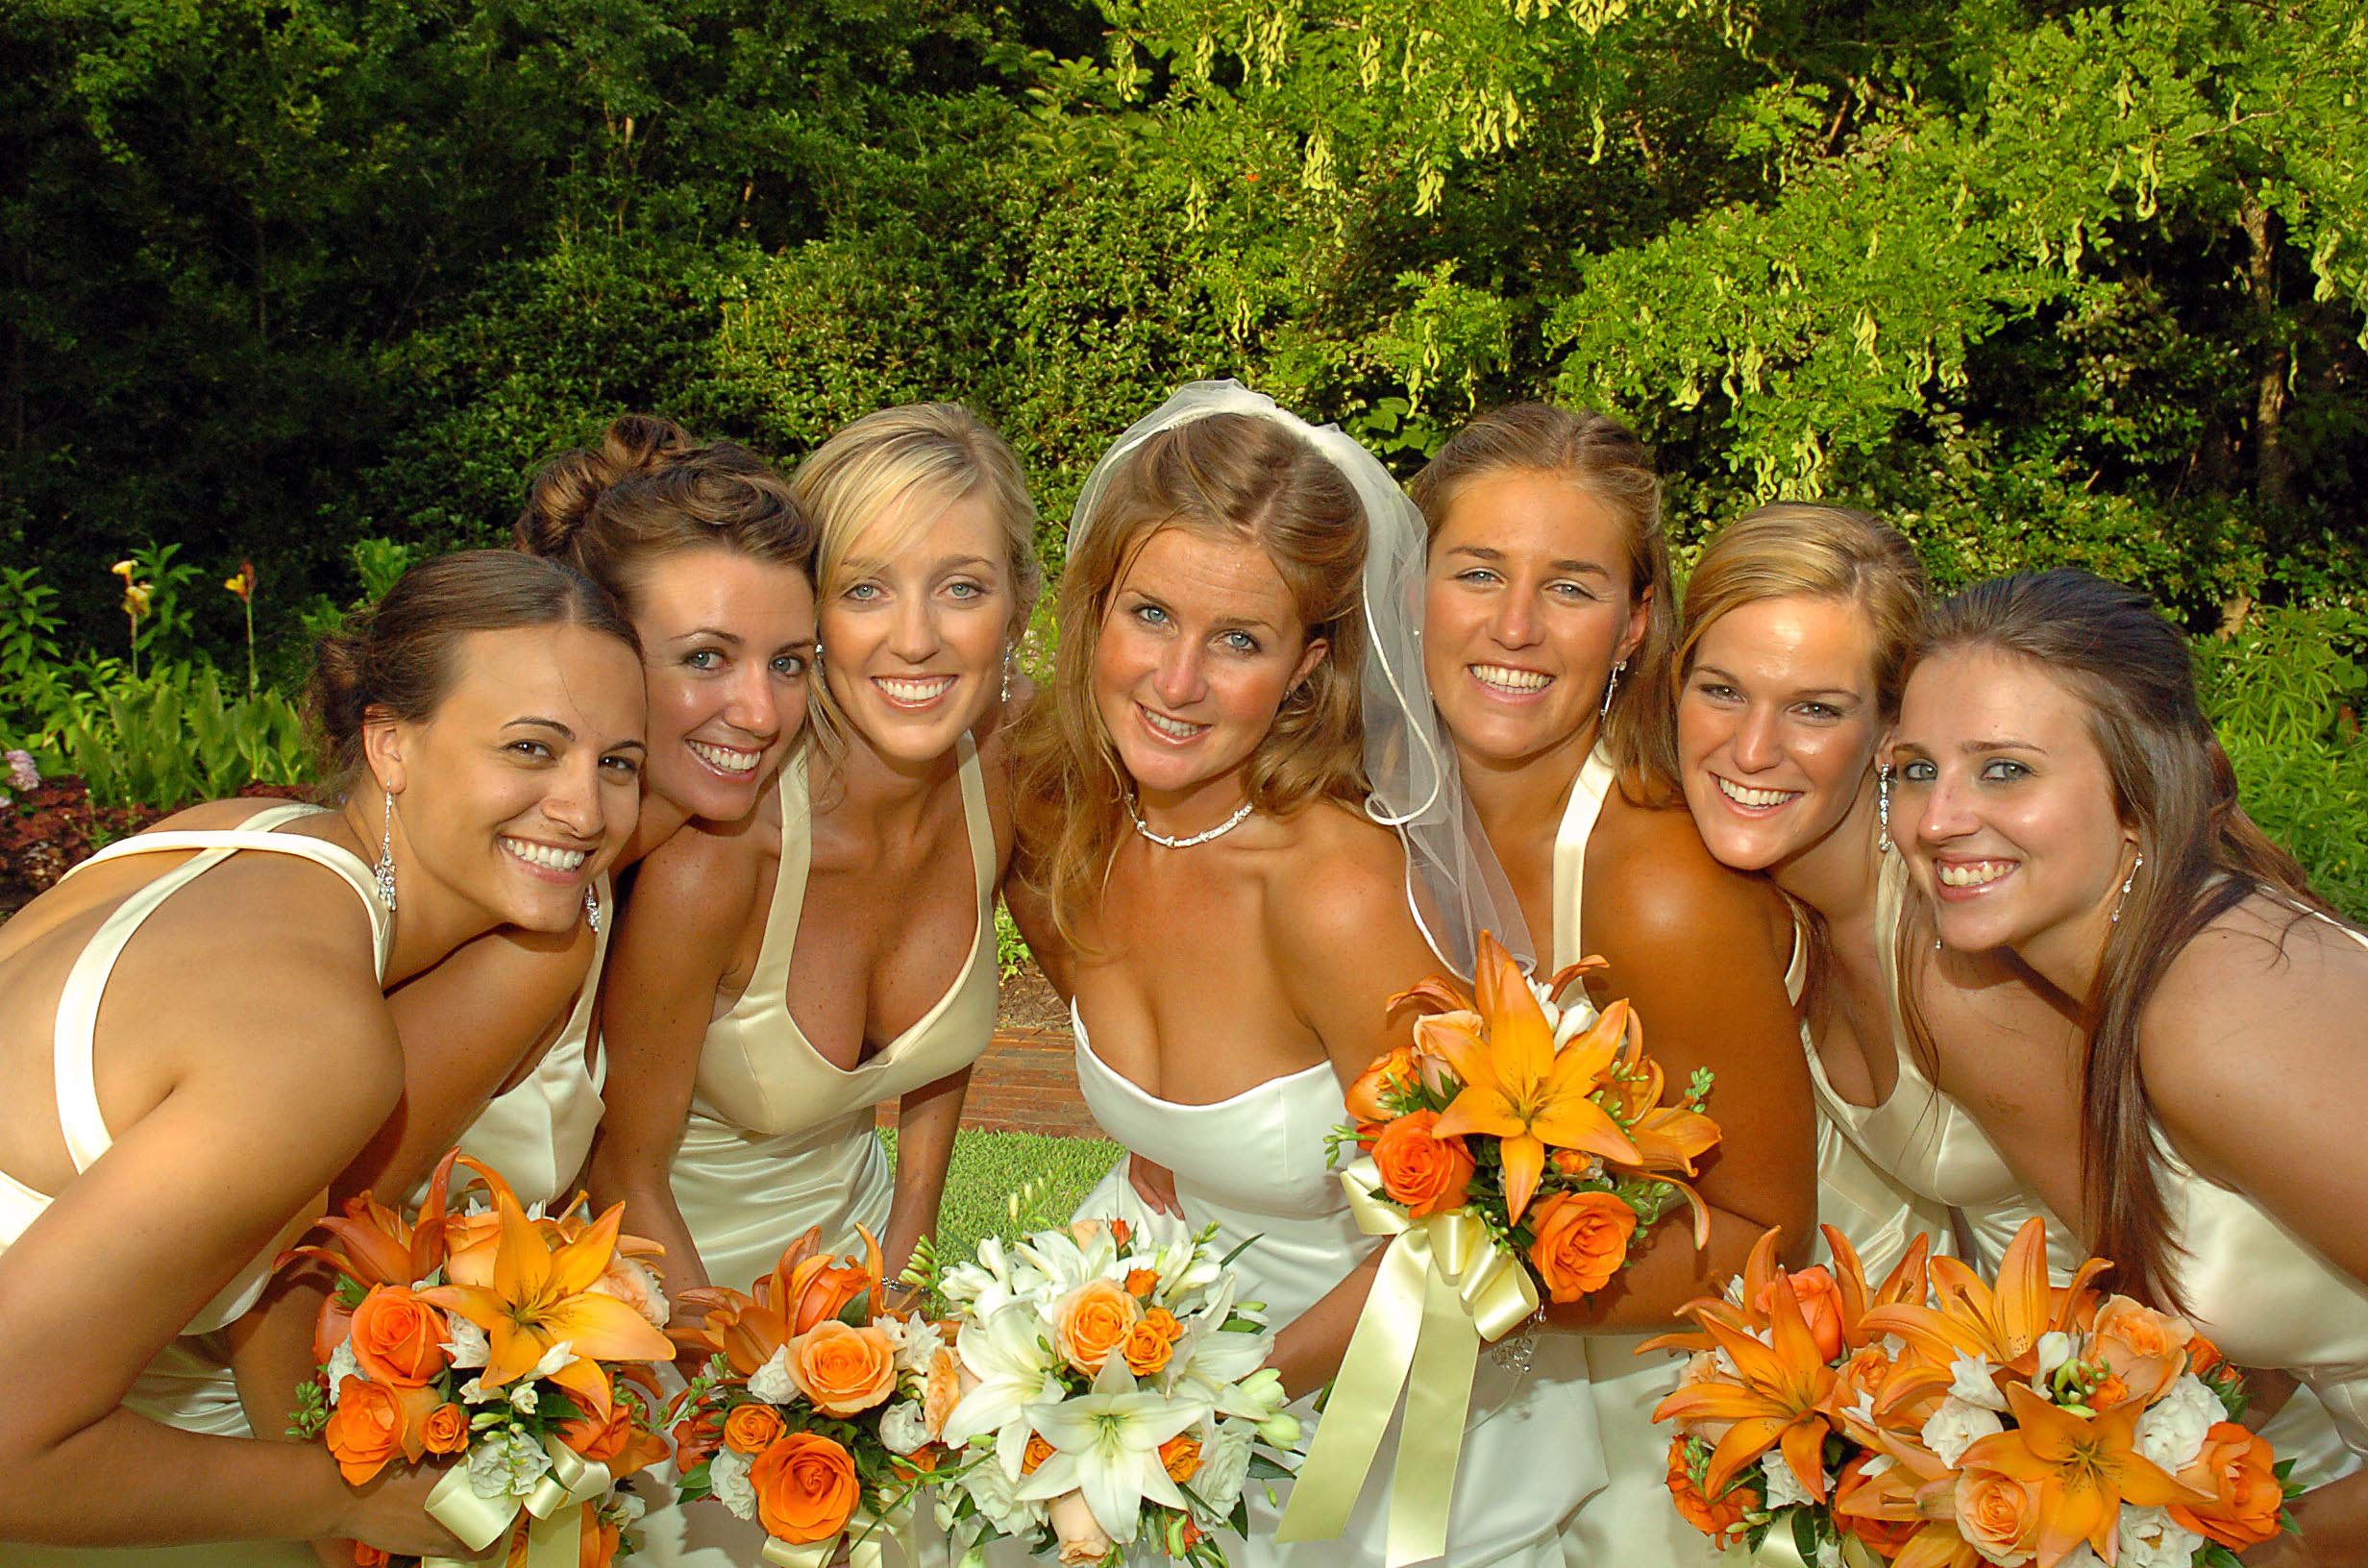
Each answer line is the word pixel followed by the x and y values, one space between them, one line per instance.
pixel 124 570
pixel 242 582
pixel 135 599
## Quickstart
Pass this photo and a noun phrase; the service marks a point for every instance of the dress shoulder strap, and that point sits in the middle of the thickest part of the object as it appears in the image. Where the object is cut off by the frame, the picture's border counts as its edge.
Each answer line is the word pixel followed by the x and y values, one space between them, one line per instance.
pixel 769 979
pixel 86 1136
pixel 1588 791
pixel 977 822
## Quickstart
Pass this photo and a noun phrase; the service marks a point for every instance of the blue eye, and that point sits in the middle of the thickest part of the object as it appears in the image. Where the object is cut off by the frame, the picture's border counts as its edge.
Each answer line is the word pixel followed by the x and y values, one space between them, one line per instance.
pixel 1999 770
pixel 1572 590
pixel 791 665
pixel 1151 615
pixel 1240 641
pixel 703 658
pixel 1477 574
pixel 965 589
pixel 1918 771
pixel 863 593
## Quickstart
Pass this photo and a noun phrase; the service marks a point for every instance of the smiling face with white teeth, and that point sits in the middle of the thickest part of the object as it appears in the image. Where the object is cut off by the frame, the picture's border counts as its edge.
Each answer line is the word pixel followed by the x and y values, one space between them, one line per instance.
pixel 1776 729
pixel 727 640
pixel 914 638
pixel 2004 805
pixel 1199 647
pixel 1526 608
pixel 526 780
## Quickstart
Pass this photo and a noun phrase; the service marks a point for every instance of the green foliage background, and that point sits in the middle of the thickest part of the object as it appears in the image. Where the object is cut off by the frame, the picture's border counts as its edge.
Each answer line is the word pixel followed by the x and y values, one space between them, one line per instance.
pixel 2045 283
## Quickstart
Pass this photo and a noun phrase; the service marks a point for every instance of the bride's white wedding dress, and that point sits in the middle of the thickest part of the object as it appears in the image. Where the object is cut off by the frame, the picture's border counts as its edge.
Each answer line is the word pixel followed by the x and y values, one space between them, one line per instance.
pixel 1253 1165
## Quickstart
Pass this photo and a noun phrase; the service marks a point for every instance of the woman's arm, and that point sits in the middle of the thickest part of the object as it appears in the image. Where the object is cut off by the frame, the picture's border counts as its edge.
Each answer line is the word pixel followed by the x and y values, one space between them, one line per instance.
pixel 691 898
pixel 926 1119
pixel 277 1076
pixel 1692 946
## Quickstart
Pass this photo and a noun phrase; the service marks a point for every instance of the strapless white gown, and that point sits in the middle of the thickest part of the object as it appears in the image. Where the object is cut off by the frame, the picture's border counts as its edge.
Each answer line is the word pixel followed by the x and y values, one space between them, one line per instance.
pixel 1254 1166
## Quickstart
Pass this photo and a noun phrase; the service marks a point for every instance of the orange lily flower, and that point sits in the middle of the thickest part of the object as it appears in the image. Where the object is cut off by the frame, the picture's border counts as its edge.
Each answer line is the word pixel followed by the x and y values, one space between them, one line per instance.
pixel 1915 1486
pixel 1669 1138
pixel 805 1287
pixel 2002 1324
pixel 1517 1088
pixel 2084 1468
pixel 537 1295
pixel 1778 1397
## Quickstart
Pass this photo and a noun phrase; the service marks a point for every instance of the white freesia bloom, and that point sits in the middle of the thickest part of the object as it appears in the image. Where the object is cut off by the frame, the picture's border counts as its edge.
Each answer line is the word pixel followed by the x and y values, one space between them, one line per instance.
pixel 344 1365
pixel 1953 1427
pixel 1569 1021
pixel 992 1279
pixel 902 1428
pixel 1225 1470
pixel 469 1345
pixel 2055 1348
pixel 1971 1381
pixel 1105 1444
pixel 505 1463
pixel 728 1472
pixel 1015 1368
pixel 523 1398
pixel 772 1383
pixel 1281 1431
pixel 558 1359
pixel 2171 1433
pixel 2151 1538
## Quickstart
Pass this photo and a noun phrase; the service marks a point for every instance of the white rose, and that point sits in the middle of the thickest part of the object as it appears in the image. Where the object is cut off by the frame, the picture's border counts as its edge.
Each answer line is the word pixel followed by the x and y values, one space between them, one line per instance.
pixel 1953 1427
pixel 1786 1490
pixel 916 1338
pixel 505 1463
pixel 772 1383
pixel 1973 1380
pixel 343 1365
pixel 469 1347
pixel 1224 1469
pixel 2171 1433
pixel 728 1476
pixel 903 1427
pixel 2151 1538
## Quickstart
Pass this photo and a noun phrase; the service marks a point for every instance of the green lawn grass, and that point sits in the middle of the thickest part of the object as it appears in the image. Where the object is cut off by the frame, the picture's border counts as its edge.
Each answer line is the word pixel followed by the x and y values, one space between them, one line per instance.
pixel 1001 1184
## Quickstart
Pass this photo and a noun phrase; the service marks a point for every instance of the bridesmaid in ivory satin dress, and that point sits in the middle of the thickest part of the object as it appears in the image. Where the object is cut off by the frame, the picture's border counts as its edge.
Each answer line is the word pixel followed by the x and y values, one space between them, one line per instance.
pixel 1548 639
pixel 490 704
pixel 777 978
pixel 1797 619
pixel 2069 818
pixel 1200 825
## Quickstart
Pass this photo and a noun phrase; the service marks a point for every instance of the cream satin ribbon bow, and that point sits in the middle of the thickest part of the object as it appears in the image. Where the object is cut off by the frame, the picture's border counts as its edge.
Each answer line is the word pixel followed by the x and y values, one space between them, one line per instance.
pixel 554 1533
pixel 869 1550
pixel 1778 1550
pixel 1443 1288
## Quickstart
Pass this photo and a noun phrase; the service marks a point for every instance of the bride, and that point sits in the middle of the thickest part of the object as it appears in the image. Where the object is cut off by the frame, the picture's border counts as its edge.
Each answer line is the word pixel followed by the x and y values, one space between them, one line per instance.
pixel 1235 706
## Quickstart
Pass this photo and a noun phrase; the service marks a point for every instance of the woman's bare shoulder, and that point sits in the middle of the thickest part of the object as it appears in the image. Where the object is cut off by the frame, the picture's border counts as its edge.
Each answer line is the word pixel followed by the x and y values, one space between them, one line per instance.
pixel 1647 869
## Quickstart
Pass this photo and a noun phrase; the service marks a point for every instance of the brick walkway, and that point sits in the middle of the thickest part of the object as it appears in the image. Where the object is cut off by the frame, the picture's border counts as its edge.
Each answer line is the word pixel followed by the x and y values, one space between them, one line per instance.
pixel 1026 1083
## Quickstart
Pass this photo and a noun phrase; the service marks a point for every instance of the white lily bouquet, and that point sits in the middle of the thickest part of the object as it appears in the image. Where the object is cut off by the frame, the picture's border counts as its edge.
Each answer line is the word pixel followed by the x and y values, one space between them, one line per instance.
pixel 1123 1390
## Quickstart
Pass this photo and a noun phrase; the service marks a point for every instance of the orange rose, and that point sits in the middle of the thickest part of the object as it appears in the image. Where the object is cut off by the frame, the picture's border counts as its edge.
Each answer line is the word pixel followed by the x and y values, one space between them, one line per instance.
pixel 843 1370
pixel 1181 1455
pixel 1145 1349
pixel 1720 1518
pixel 619 1442
pixel 1885 1537
pixel 2234 1467
pixel 372 1422
pixel 1091 1321
pixel 1163 1321
pixel 1427 1174
pixel 805 1488
pixel 1141 1282
pixel 2146 1348
pixel 1820 1300
pixel 1034 1455
pixel 369 1556
pixel 398 1337
pixel 2203 1356
pixel 1080 1535
pixel 1395 1070
pixel 942 1391
pixel 446 1431
pixel 2106 1394
pixel 1582 1238
pixel 1997 1515
pixel 752 1428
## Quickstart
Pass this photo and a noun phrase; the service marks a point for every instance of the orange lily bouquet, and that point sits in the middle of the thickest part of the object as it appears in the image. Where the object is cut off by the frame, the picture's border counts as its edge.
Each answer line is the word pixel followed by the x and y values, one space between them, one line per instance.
pixel 1518 1146
pixel 1940 1421
pixel 514 1346
pixel 821 1408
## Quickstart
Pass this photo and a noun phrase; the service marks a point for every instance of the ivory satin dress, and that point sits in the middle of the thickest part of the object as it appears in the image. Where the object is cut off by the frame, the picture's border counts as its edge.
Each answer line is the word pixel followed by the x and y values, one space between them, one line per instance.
pixel 781 1139
pixel 190 1384
pixel 1253 1165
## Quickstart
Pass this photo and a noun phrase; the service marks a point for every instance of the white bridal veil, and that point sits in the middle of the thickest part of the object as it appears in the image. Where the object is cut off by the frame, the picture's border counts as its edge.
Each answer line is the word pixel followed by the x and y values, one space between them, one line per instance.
pixel 1453 883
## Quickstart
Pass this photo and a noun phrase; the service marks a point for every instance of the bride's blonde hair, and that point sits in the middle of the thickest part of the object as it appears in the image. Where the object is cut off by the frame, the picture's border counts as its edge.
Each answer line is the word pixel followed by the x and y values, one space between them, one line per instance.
pixel 1231 477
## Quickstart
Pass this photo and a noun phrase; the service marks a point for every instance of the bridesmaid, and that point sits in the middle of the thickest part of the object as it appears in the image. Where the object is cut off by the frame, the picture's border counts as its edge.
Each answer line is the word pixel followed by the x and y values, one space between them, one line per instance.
pixel 1195 797
pixel 487 720
pixel 1797 619
pixel 778 977
pixel 2070 820
pixel 1547 640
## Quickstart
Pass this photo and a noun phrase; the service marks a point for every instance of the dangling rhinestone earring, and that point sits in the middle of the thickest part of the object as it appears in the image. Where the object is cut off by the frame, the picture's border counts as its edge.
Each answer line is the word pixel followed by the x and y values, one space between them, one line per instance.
pixel 592 909
pixel 1883 809
pixel 1609 687
pixel 1006 672
pixel 384 870
pixel 817 651
pixel 2125 888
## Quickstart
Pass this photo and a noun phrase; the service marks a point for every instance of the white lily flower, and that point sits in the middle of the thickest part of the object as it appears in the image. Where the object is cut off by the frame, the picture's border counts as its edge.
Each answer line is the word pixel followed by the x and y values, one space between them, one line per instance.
pixel 1105 1444
pixel 1015 1368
